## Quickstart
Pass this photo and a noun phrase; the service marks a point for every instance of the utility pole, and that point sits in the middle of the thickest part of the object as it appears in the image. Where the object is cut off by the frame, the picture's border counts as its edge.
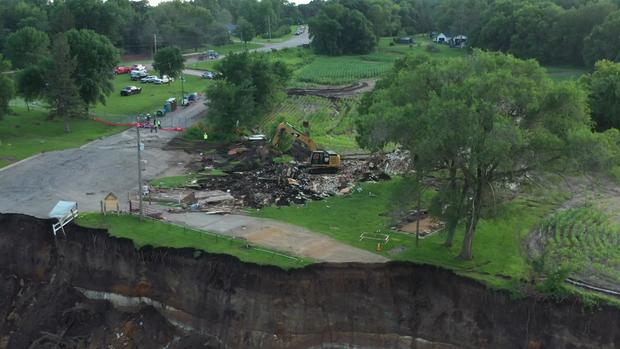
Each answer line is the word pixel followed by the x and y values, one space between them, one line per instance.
pixel 139 169
pixel 182 88
pixel 154 45
pixel 269 25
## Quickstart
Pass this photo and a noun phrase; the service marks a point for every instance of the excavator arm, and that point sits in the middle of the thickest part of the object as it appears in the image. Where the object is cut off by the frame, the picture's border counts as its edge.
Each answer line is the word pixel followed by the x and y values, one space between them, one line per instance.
pixel 291 130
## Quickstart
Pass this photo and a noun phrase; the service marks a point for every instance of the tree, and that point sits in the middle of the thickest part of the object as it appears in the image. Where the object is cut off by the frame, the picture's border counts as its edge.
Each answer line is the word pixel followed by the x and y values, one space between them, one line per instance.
pixel 486 120
pixel 230 105
pixel 339 30
pixel 250 87
pixel 62 93
pixel 27 46
pixel 245 30
pixel 31 84
pixel 604 86
pixel 169 61
pixel 604 41
pixel 95 58
pixel 7 89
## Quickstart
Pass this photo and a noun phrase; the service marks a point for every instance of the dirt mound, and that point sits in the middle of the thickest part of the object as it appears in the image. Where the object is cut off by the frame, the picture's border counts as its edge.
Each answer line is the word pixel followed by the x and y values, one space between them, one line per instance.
pixel 332 92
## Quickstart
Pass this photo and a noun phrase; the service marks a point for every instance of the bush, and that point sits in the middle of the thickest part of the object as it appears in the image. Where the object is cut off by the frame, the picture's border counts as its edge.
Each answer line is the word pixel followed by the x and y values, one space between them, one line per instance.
pixel 432 48
pixel 280 32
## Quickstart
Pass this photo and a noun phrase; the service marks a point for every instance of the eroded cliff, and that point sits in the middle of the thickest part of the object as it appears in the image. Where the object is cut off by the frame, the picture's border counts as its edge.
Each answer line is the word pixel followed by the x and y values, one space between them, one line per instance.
pixel 90 290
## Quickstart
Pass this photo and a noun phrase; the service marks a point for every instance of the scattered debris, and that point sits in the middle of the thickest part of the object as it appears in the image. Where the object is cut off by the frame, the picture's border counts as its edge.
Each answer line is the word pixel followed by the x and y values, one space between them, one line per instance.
pixel 428 224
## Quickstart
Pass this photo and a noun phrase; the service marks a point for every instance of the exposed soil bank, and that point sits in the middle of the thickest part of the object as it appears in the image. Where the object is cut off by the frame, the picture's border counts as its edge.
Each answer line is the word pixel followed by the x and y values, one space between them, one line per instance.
pixel 198 300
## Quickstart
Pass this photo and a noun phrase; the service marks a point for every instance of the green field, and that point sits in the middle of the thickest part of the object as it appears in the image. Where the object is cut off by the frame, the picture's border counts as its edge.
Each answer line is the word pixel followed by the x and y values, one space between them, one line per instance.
pixel 161 234
pixel 26 133
pixel 328 70
pixel 498 258
pixel 585 242
pixel 151 99
pixel 331 123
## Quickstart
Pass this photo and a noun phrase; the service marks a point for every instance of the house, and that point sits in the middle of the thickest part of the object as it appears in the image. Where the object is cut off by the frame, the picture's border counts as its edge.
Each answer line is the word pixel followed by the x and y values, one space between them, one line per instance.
pixel 231 28
pixel 441 38
pixel 459 41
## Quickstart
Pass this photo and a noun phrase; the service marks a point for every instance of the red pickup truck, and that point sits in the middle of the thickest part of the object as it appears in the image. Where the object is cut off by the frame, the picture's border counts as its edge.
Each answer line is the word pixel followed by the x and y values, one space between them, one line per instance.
pixel 122 70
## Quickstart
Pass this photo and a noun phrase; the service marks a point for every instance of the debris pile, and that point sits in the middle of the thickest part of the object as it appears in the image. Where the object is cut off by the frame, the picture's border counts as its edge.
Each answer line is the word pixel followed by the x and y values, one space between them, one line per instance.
pixel 252 179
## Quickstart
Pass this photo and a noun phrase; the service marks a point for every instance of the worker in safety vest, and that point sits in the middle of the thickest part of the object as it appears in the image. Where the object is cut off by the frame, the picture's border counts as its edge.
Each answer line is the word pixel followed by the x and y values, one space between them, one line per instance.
pixel 205 136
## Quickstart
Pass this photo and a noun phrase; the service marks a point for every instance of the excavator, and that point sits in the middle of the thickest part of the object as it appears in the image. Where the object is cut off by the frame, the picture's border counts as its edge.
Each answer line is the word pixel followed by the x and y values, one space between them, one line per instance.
pixel 320 160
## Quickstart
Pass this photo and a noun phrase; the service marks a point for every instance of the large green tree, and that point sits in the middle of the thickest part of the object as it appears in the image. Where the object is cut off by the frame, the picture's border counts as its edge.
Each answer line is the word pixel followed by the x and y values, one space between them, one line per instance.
pixel 486 120
pixel 245 30
pixel 249 89
pixel 27 46
pixel 340 30
pixel 95 58
pixel 604 86
pixel 7 88
pixel 31 83
pixel 604 41
pixel 62 93
pixel 169 61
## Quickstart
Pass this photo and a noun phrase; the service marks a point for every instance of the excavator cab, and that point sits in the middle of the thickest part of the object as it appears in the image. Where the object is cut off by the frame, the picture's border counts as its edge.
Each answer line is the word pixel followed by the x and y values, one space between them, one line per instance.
pixel 324 161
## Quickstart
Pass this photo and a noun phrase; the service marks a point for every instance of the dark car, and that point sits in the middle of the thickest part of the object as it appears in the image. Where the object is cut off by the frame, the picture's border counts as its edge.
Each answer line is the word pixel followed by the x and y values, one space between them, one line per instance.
pixel 130 90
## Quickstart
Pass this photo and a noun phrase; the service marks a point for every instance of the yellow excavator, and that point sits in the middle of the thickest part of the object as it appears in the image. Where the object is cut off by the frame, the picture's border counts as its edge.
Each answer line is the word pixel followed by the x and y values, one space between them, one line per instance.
pixel 320 160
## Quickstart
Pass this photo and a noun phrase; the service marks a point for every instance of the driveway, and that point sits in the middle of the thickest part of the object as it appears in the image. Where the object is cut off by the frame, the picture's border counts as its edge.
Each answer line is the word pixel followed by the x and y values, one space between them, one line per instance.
pixel 88 173
pixel 278 236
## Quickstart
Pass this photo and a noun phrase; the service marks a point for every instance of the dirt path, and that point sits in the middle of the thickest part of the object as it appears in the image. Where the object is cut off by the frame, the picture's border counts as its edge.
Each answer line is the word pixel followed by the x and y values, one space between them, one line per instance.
pixel 279 236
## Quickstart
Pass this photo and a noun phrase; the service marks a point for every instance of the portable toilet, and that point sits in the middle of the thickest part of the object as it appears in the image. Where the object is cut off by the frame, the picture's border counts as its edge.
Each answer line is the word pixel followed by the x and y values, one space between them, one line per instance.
pixel 173 103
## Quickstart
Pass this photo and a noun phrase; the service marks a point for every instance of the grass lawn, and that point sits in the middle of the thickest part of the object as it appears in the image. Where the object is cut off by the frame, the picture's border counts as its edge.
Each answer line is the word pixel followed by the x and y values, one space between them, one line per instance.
pixel 498 258
pixel 161 234
pixel 172 181
pixel 565 73
pixel 328 70
pixel 151 99
pixel 27 133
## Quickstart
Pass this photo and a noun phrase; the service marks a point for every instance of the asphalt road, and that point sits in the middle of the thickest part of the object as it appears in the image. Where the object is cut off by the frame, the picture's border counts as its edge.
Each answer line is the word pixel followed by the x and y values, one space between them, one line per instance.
pixel 87 174
pixel 296 40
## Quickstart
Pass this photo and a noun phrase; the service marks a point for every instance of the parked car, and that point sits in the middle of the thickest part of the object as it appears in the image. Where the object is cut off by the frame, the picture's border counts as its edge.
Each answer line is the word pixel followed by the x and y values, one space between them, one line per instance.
pixel 207 75
pixel 130 90
pixel 212 54
pixel 163 80
pixel 122 70
pixel 148 79
pixel 138 67
pixel 138 74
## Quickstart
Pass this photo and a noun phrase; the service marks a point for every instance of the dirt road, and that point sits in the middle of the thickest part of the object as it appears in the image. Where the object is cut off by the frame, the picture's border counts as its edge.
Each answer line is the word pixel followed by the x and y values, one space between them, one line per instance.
pixel 279 236
pixel 86 174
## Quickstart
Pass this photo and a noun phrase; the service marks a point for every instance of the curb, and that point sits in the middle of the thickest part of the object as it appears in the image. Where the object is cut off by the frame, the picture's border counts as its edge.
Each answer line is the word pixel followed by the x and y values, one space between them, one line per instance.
pixel 20 161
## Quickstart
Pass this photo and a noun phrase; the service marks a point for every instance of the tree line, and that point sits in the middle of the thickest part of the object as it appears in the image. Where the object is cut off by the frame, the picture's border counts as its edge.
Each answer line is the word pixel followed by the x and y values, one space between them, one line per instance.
pixel 559 32
pixel 132 25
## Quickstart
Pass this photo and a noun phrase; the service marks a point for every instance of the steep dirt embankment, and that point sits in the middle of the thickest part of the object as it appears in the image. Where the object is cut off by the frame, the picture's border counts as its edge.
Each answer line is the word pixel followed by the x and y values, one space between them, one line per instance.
pixel 63 291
